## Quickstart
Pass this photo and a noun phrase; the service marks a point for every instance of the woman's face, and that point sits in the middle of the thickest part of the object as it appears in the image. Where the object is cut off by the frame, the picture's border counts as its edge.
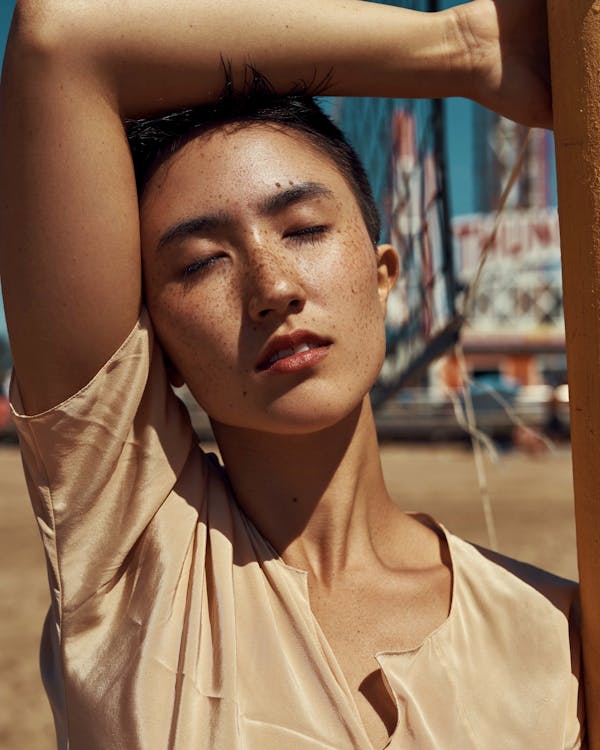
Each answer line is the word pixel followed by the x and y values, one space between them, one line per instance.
pixel 263 285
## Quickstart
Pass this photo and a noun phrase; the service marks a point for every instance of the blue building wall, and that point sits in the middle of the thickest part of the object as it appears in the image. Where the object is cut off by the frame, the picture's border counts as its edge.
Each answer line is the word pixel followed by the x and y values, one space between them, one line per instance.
pixel 6 11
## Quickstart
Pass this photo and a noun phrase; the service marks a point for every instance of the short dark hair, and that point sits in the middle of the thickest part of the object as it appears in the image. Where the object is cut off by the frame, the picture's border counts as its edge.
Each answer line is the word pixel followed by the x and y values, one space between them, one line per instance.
pixel 153 140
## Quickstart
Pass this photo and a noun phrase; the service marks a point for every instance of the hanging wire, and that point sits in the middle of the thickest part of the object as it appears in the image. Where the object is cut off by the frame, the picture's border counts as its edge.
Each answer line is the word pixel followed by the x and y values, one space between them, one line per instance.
pixel 477 446
pixel 479 440
pixel 489 243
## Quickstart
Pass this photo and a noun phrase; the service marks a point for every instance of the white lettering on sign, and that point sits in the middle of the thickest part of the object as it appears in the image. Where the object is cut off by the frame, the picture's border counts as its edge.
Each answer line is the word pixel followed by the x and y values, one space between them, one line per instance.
pixel 519 233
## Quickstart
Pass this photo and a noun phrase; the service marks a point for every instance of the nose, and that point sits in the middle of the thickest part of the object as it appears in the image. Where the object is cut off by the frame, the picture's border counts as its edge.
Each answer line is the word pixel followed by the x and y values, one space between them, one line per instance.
pixel 275 289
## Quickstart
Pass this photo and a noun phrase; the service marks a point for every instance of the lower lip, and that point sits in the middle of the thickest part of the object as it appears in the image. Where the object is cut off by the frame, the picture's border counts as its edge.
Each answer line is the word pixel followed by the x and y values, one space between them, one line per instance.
pixel 300 361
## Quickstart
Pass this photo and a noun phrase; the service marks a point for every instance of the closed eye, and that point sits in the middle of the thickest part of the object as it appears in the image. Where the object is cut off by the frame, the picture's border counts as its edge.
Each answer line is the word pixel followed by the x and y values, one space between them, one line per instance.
pixel 310 234
pixel 201 264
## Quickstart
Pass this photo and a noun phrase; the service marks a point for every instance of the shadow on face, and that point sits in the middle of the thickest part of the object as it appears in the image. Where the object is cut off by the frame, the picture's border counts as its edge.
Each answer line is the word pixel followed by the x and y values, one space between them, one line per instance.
pixel 263 284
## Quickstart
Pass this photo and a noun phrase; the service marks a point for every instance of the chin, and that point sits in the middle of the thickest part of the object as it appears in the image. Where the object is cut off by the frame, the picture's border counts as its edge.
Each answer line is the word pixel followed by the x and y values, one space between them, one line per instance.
pixel 304 425
pixel 310 406
pixel 299 416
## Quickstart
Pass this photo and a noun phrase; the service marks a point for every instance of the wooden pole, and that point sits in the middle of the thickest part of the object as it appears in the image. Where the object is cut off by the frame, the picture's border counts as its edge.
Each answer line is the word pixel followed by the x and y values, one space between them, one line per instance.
pixel 575 61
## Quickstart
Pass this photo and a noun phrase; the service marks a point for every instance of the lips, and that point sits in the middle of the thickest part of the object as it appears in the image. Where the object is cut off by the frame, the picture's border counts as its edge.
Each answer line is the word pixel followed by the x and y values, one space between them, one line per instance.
pixel 298 349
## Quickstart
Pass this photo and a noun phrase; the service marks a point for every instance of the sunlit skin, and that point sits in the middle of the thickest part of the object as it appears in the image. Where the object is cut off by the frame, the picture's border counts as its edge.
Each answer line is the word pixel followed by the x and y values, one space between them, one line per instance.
pixel 248 235
pixel 221 293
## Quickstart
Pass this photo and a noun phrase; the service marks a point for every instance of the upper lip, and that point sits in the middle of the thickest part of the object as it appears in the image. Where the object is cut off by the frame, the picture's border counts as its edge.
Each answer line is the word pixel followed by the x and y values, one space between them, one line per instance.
pixel 288 341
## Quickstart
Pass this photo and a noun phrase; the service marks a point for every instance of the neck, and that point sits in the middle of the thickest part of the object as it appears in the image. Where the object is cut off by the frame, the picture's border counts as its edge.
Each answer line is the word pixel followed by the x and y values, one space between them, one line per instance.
pixel 320 499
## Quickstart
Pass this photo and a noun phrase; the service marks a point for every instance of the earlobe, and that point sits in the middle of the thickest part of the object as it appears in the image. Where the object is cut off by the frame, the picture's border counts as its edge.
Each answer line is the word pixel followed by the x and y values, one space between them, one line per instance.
pixel 387 271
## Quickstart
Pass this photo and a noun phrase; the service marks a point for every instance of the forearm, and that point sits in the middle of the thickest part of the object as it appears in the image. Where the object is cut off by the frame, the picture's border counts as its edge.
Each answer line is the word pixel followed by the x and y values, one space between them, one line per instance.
pixel 150 55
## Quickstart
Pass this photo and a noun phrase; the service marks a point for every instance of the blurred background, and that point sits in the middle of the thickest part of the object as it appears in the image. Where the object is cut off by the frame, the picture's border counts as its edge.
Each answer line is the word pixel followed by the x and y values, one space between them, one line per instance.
pixel 476 361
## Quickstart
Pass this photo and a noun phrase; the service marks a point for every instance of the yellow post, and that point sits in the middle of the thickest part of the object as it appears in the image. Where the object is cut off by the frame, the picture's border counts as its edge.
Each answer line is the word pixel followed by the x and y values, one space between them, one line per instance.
pixel 575 61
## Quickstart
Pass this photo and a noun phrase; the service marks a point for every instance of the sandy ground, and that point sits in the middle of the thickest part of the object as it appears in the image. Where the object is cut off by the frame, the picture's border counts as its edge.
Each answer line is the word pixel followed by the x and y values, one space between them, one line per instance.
pixel 532 500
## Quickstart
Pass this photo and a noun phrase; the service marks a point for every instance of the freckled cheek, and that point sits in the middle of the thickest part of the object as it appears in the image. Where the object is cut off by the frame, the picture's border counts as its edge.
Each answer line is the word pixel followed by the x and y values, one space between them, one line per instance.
pixel 348 280
pixel 363 315
pixel 198 337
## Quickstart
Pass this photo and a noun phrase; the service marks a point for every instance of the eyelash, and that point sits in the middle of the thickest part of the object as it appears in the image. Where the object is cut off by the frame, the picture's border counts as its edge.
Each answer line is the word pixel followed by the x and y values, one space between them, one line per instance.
pixel 311 234
pixel 201 265
pixel 308 234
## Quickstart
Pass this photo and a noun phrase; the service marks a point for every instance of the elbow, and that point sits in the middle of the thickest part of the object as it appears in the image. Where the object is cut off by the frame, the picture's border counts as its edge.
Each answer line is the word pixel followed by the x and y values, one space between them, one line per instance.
pixel 42 29
pixel 32 24
pixel 49 41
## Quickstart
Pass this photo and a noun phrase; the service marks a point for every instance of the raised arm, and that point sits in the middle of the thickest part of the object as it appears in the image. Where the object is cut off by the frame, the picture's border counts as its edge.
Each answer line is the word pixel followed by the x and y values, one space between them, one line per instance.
pixel 69 245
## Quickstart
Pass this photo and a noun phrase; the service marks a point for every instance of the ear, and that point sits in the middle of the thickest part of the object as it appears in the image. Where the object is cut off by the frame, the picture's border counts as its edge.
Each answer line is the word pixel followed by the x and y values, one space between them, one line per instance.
pixel 173 374
pixel 387 271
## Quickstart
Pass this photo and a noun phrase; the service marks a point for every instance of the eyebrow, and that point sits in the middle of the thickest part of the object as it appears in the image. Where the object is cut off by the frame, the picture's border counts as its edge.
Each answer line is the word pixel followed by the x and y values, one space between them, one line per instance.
pixel 193 226
pixel 270 206
pixel 280 200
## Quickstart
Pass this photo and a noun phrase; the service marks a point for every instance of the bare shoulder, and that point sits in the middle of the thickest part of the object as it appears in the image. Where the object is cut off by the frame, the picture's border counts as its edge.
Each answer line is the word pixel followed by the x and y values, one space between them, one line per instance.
pixel 428 540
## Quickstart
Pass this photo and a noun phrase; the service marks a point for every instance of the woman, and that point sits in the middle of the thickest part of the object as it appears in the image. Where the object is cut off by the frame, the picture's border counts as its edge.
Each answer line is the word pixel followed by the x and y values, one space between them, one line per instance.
pixel 242 607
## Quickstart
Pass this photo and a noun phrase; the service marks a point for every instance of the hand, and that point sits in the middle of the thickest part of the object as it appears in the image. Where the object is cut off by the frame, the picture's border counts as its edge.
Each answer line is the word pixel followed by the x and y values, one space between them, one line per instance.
pixel 507 43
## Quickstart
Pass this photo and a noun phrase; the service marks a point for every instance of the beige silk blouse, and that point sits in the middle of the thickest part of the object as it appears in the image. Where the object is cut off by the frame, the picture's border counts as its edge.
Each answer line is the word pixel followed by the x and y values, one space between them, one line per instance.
pixel 174 624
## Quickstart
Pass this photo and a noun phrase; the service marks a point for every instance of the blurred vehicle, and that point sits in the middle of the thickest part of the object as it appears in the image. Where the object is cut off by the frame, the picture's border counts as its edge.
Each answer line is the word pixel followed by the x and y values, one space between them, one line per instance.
pixel 423 414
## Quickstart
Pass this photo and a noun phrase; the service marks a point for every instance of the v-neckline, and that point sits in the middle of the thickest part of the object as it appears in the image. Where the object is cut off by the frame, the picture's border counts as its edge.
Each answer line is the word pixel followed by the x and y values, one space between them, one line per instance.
pixel 329 654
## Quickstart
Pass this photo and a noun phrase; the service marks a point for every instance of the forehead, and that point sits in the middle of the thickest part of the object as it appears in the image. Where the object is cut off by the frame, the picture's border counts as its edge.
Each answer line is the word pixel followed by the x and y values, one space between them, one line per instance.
pixel 239 163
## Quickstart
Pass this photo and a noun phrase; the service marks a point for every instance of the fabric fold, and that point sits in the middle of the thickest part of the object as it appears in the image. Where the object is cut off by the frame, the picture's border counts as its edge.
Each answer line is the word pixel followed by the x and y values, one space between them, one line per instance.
pixel 174 624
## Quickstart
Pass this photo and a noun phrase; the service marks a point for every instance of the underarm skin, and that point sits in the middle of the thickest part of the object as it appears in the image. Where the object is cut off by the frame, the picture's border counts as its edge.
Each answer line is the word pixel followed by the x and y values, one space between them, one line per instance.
pixel 69 250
